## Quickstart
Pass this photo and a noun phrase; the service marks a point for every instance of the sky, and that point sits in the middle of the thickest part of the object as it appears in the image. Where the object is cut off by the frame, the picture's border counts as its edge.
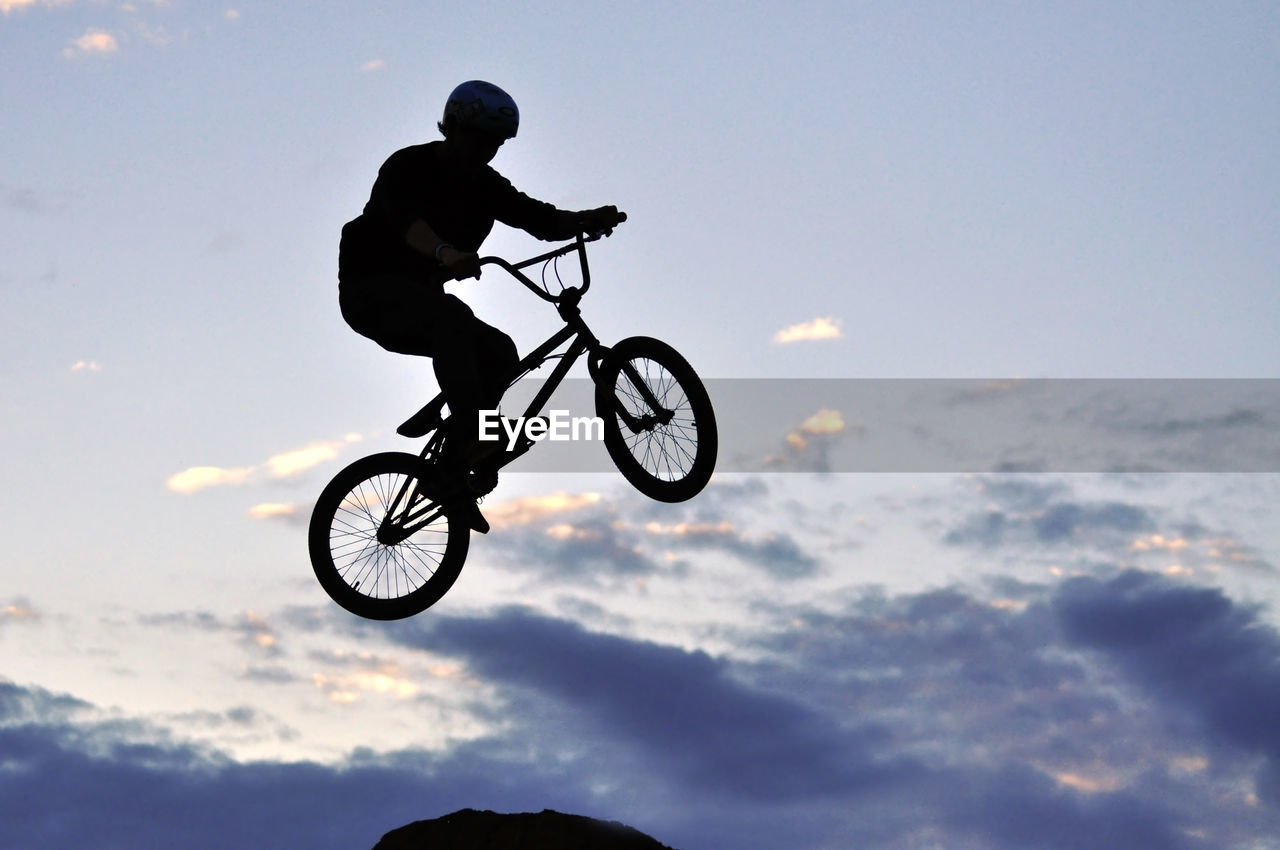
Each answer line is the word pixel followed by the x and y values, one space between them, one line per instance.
pixel 1019 648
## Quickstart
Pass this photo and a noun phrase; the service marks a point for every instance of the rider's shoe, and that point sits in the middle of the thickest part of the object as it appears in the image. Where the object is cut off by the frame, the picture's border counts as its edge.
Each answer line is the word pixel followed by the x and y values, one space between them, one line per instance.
pixel 468 511
pixel 424 420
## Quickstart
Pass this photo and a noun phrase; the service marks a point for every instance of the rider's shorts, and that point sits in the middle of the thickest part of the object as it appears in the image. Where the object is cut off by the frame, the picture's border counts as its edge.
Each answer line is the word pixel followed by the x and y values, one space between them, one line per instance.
pixel 399 313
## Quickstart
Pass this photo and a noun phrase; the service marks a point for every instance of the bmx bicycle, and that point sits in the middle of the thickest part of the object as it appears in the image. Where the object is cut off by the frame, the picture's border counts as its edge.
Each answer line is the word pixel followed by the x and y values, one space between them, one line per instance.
pixel 384 539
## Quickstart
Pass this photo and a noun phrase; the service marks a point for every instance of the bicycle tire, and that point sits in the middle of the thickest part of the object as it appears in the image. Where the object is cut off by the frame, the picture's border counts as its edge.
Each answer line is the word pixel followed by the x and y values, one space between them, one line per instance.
pixel 382 579
pixel 668 461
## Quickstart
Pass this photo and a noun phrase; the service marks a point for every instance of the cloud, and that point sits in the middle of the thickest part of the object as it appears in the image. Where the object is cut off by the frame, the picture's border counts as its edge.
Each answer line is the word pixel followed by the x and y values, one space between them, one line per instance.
pixel 1192 648
pixel 281 466
pixel 373 65
pixel 778 554
pixel 132 785
pixel 291 463
pixel 808 447
pixel 199 478
pixel 825 421
pixel 590 550
pixel 1055 523
pixel 93 41
pixel 820 328
pixel 18 610
pixel 272 674
pixel 86 366
pixel 586 539
pixel 251 630
pixel 274 510
pixel 7 6
pixel 532 509
pixel 1030 515
pixel 683 710
pixel 353 675
pixel 1121 711
pixel 202 477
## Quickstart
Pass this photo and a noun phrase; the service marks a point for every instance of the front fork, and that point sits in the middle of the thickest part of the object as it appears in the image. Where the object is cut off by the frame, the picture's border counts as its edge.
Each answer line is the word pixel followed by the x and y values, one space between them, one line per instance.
pixel 656 417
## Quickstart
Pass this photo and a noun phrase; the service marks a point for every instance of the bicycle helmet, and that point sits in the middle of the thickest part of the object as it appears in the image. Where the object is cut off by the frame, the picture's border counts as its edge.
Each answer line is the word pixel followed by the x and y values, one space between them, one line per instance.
pixel 482 106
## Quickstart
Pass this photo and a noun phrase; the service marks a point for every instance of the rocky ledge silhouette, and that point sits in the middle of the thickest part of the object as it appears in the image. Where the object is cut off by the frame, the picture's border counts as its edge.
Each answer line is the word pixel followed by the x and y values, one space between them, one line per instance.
pixel 469 829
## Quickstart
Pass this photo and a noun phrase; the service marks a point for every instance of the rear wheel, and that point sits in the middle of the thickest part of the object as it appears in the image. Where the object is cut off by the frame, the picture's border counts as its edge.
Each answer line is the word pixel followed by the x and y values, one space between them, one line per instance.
pixel 659 426
pixel 380 547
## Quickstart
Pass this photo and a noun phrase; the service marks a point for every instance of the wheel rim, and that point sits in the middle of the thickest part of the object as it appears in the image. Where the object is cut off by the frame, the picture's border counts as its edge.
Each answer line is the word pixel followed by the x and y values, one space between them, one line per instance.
pixel 370 567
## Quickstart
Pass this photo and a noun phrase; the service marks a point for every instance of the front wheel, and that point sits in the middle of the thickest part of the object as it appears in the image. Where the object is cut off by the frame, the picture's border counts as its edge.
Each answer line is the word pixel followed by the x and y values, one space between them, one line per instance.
pixel 659 426
pixel 380 546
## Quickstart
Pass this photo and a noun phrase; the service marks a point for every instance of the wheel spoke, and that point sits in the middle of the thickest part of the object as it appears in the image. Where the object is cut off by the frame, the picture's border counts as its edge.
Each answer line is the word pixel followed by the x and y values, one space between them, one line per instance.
pixel 371 567
pixel 667 451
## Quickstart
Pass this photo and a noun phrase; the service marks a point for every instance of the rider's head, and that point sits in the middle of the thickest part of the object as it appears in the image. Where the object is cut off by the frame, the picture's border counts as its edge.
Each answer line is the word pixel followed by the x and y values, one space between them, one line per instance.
pixel 480 115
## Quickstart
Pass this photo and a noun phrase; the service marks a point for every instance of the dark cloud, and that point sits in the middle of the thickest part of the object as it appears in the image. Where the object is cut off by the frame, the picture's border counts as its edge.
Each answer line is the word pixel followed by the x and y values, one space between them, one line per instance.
pixel 1065 522
pixel 25 705
pixel 1022 492
pixel 65 784
pixel 1193 648
pixel 681 708
pixel 1052 523
pixel 1017 807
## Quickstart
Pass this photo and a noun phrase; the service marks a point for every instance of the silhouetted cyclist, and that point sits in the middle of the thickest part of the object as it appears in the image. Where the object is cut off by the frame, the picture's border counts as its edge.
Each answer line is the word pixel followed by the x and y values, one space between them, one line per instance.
pixel 430 209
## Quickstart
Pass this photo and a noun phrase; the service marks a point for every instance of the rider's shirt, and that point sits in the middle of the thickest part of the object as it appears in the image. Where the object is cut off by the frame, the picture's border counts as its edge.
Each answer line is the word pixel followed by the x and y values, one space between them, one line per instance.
pixel 460 205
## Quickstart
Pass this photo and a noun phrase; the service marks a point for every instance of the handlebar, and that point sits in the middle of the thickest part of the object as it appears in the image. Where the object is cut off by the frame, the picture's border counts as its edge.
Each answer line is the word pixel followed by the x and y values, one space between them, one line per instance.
pixel 579 244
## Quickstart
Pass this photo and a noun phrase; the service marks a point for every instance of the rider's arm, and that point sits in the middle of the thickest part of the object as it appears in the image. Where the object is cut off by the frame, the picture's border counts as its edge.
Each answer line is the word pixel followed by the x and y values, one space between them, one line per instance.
pixel 540 219
pixel 422 238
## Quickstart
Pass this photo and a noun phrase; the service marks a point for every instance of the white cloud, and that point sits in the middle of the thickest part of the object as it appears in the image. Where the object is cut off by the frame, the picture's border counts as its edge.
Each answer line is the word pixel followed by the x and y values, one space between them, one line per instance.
pixel 536 508
pixel 86 366
pixel 93 41
pixel 291 463
pixel 278 466
pixel 821 328
pixel 825 421
pixel 273 510
pixel 373 65
pixel 198 478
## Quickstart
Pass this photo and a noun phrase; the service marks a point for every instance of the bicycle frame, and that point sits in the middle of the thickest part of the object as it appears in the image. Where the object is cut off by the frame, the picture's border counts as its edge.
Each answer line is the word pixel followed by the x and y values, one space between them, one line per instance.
pixel 580 341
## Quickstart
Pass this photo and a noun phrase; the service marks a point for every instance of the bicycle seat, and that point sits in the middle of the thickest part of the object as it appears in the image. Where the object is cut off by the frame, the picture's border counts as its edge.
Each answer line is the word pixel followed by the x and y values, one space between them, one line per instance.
pixel 424 420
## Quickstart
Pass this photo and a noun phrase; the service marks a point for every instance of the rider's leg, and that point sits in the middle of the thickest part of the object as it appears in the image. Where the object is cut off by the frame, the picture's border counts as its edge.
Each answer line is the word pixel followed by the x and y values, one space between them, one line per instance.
pixel 453 356
pixel 407 317
pixel 390 310
pixel 472 362
pixel 496 359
